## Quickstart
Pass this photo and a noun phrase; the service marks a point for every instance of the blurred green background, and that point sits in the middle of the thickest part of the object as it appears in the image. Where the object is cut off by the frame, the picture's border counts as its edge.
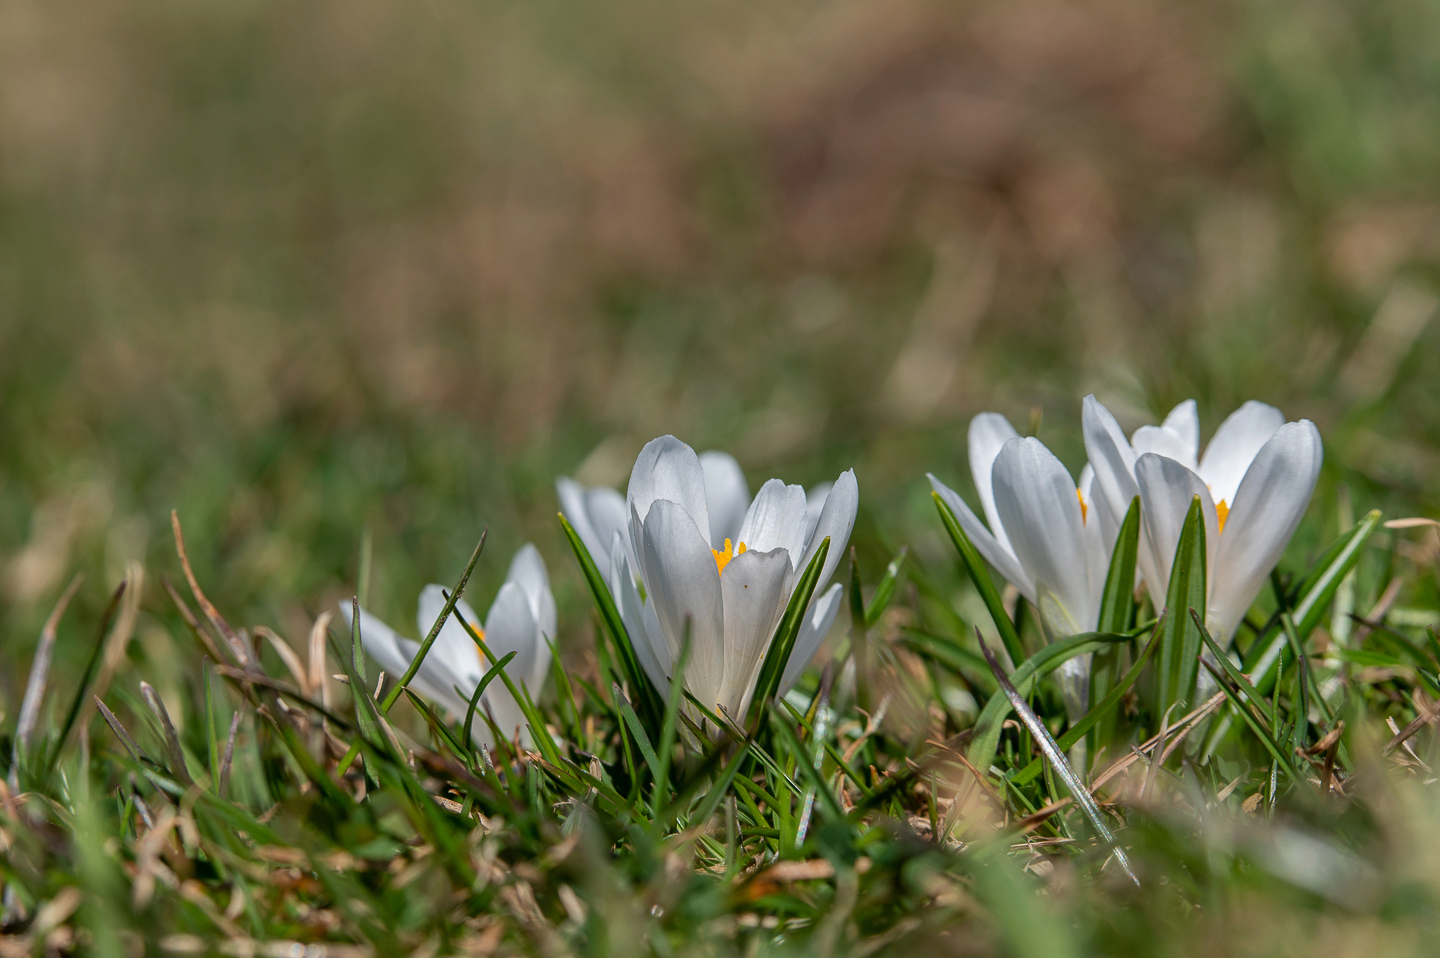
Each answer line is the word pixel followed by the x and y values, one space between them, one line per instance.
pixel 303 269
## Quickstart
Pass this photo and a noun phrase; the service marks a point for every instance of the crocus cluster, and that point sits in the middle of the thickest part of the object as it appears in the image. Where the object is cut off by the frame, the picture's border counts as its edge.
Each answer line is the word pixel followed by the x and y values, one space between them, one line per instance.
pixel 690 557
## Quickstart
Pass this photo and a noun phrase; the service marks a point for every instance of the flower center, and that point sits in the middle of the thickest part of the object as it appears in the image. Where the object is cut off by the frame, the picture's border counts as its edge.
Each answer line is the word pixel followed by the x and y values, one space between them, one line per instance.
pixel 1084 509
pixel 723 556
pixel 1221 511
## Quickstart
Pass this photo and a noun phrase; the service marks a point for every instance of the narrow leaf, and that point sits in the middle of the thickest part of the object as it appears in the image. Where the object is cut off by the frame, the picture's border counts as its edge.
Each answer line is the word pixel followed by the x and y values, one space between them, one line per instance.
pixel 1177 667
pixel 980 575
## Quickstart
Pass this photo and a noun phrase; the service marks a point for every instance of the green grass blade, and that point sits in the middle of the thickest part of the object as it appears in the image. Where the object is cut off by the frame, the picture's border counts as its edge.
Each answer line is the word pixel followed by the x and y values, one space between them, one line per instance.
pixel 1178 666
pixel 1057 759
pixel 1096 715
pixel 647 696
pixel 885 588
pixel 1042 663
pixel 86 677
pixel 783 642
pixel 980 575
pixel 480 688
pixel 1117 609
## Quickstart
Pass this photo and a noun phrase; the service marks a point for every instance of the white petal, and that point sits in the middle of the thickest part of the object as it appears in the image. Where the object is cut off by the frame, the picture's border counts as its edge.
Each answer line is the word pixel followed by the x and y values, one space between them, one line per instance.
pixel 727 495
pixel 608 515
pixel 1184 421
pixel 527 570
pixel 386 649
pixel 1113 459
pixel 668 469
pixel 572 503
pixel 682 580
pixel 815 498
pixel 1234 445
pixel 836 522
pixel 776 520
pixel 812 633
pixel 1162 441
pixel 644 631
pixel 502 707
pixel 1167 489
pixel 1035 498
pixel 1268 507
pixel 998 556
pixel 989 432
pixel 1085 482
pixel 754 590
pixel 454 650
pixel 510 627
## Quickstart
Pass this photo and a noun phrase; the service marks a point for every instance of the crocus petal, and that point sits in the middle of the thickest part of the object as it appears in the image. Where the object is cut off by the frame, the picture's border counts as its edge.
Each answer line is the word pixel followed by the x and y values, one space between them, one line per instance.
pixel 572 503
pixel 1268 507
pixel 1167 489
pixel 989 432
pixel 836 522
pixel 453 648
pixel 812 632
pixel 776 520
pixel 608 515
pixel 727 495
pixel 1234 445
pixel 1184 421
pixel 754 590
pixel 815 498
pixel 998 556
pixel 684 583
pixel 391 652
pixel 1113 459
pixel 527 570
pixel 1164 442
pixel 644 630
pixel 668 469
pixel 510 627
pixel 1035 498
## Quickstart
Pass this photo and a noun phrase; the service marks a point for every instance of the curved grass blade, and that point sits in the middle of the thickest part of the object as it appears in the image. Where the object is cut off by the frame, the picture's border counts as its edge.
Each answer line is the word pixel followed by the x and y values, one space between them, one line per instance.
pixel 485 681
pixel 86 677
pixel 783 642
pixel 1096 715
pixel 1052 752
pixel 649 699
pixel 1042 663
pixel 885 588
pixel 1178 665
pixel 1117 609
pixel 980 575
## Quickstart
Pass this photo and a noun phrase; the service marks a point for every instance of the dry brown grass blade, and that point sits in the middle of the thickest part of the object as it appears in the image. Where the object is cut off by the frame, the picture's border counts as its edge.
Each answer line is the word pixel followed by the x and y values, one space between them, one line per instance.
pixel 1033 821
pixel 1186 724
pixel 193 624
pixel 288 656
pixel 173 751
pixel 318 676
pixel 40 667
pixel 228 761
pixel 237 645
pixel 1425 717
pixel 131 746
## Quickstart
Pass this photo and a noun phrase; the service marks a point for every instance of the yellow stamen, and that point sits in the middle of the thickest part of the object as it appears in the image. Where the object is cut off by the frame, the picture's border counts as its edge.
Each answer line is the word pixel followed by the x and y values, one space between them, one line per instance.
pixel 1221 511
pixel 479 652
pixel 723 556
pixel 1084 509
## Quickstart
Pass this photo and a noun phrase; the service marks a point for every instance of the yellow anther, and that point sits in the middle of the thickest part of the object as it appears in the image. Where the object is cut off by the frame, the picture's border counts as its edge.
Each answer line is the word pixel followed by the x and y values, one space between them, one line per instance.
pixel 1221 511
pixel 723 556
pixel 1084 509
pixel 479 652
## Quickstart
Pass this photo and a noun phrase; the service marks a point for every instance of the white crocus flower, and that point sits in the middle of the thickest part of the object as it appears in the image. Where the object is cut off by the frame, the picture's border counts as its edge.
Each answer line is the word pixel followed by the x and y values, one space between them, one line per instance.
pixel 1254 482
pixel 730 587
pixel 1045 534
pixel 521 619
pixel 598 513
